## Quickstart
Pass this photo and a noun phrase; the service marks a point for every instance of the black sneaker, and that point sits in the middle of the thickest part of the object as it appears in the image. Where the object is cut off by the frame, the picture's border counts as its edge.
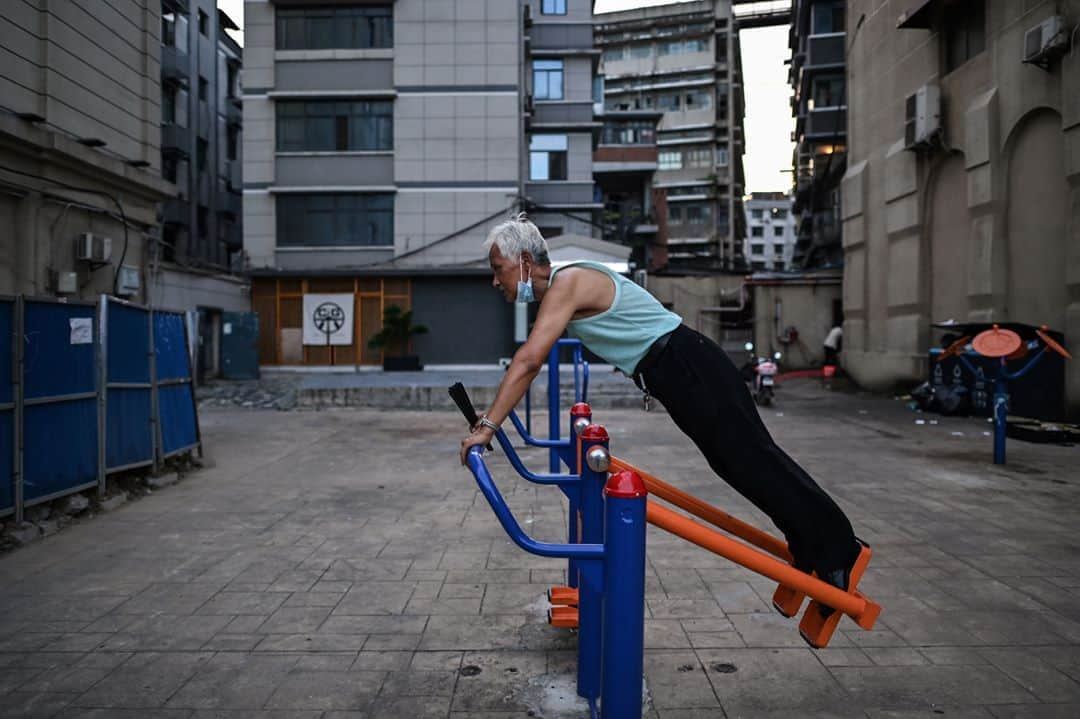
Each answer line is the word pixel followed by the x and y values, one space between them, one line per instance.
pixel 839 578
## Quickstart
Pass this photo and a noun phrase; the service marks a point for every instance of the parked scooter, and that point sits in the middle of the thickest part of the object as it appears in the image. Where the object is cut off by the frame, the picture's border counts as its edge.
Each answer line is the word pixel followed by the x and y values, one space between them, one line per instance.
pixel 764 376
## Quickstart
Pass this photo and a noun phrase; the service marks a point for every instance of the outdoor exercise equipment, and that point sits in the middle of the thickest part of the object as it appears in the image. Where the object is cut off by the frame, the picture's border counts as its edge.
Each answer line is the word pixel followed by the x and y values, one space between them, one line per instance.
pixel 1003 345
pixel 603 598
pixel 581 393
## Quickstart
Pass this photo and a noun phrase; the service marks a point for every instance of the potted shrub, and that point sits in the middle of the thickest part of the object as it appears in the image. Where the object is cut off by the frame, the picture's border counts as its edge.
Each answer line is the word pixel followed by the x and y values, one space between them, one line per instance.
pixel 394 338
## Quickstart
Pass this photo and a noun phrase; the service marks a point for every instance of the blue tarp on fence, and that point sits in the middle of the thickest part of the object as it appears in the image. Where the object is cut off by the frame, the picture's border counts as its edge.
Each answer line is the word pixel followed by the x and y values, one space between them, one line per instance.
pixel 129 439
pixel 59 399
pixel 7 405
pixel 175 397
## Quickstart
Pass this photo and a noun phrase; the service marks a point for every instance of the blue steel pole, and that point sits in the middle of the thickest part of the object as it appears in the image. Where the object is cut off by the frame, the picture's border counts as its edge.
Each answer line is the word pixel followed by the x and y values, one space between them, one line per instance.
pixel 1001 413
pixel 624 596
pixel 553 405
pixel 593 471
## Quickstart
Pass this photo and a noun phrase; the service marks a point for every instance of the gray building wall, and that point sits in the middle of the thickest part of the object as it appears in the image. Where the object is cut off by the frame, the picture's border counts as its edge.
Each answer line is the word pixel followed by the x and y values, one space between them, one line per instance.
pixel 88 74
pixel 984 228
pixel 446 305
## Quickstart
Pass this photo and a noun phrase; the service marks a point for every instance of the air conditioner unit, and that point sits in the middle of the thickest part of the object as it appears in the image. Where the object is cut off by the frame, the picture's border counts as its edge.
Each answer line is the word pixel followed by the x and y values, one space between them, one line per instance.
pixel 93 248
pixel 922 117
pixel 1044 40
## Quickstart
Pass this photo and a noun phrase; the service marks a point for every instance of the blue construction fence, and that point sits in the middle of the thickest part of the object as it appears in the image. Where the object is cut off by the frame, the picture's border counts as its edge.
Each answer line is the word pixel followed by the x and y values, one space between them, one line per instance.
pixel 88 389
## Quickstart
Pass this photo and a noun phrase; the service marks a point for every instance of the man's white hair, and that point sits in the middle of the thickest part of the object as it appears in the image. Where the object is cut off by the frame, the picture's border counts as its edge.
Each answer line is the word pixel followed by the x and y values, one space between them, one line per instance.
pixel 515 236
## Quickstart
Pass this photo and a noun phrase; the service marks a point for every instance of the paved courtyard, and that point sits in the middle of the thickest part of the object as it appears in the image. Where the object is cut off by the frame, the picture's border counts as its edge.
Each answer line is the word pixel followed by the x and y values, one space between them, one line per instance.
pixel 340 563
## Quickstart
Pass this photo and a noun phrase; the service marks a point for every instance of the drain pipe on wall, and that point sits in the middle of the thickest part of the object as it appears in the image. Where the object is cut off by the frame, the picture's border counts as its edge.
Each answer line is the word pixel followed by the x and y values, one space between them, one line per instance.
pixel 720 309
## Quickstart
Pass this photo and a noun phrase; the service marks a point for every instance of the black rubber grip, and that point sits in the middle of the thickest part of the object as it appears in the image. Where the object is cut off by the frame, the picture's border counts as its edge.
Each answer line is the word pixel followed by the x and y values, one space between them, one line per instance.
pixel 461 399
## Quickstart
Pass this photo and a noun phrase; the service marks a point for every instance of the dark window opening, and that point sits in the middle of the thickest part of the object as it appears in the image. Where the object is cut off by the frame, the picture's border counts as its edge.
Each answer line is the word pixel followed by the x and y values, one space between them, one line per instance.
pixel 964 31
pixel 334 27
pixel 335 220
pixel 328 126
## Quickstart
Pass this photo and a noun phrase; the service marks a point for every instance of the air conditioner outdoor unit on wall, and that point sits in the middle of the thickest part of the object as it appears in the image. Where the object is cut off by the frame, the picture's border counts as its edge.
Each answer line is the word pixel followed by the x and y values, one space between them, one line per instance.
pixel 922 117
pixel 1044 40
pixel 93 248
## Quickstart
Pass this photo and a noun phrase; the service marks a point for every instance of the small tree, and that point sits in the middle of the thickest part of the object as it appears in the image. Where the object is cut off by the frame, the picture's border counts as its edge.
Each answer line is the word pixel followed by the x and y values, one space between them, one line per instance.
pixel 397 330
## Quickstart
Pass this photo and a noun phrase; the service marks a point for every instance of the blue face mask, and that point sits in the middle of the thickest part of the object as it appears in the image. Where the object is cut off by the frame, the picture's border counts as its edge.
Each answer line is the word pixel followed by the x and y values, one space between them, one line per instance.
pixel 525 293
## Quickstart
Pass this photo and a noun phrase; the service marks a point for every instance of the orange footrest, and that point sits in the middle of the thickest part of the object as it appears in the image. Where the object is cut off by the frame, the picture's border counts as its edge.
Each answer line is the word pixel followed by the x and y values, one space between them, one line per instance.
pixel 818 630
pixel 566 617
pixel 564 596
pixel 787 601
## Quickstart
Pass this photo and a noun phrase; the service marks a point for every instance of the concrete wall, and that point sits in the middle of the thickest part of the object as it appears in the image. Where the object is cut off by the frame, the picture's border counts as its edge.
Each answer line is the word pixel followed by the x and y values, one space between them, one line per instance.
pixel 686 296
pixel 805 305
pixel 188 291
pixel 987 229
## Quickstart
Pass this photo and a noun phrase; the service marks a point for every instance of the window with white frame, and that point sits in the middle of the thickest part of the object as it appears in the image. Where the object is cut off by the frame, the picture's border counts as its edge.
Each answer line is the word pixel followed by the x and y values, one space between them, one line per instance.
pixel 698 157
pixel 547 157
pixel 721 157
pixel 548 79
pixel 670 160
pixel 674 214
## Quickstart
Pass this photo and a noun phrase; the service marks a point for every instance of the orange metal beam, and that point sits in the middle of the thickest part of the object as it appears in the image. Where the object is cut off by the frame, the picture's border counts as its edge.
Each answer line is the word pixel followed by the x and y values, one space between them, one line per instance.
pixel 855 605
pixel 703 510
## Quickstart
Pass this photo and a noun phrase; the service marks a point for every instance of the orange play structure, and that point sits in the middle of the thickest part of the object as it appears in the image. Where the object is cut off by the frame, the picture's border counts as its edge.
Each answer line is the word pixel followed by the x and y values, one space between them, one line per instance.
pixel 794 585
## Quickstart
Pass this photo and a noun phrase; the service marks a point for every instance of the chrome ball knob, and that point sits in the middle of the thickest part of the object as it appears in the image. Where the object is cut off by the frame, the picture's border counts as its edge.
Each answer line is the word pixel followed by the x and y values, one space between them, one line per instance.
pixel 598 459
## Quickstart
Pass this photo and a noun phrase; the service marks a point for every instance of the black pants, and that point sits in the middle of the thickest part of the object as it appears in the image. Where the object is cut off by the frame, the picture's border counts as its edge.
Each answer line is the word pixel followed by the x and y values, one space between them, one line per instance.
pixel 708 400
pixel 830 355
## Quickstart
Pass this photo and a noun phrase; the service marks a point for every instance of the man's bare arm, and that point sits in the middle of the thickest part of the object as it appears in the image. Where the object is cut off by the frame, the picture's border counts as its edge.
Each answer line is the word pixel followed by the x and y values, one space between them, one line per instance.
pixel 556 310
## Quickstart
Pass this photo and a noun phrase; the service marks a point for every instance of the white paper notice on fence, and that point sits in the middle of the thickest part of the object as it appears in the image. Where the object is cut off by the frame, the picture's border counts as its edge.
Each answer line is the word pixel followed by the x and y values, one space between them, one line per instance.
pixel 227 329
pixel 82 330
pixel 328 319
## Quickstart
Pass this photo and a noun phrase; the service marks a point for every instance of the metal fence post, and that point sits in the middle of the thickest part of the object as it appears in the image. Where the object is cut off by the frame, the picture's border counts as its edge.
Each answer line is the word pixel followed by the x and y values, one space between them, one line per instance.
pixel 624 595
pixel 103 386
pixel 20 351
pixel 595 460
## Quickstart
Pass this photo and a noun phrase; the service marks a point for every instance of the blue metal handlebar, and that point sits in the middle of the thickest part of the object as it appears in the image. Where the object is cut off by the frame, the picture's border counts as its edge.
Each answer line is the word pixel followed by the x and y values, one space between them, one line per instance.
pixel 533 441
pixel 515 461
pixel 513 529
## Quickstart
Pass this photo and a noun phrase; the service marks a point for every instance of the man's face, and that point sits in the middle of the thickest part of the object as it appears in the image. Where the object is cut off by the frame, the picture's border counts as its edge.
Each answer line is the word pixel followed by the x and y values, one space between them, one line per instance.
pixel 505 274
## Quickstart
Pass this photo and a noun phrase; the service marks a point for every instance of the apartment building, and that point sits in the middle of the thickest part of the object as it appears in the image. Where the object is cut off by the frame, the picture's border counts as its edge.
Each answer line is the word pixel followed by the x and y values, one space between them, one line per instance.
pixel 683 60
pixel 198 263
pixel 80 179
pixel 770 231
pixel 819 105
pixel 383 140
pixel 962 193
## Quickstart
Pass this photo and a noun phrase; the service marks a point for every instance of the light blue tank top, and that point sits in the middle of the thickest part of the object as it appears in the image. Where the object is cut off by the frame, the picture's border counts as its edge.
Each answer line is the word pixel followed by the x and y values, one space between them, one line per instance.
pixel 623 333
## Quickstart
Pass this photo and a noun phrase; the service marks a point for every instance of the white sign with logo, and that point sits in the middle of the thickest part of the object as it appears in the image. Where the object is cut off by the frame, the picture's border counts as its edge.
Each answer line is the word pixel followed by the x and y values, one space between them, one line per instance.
pixel 328 319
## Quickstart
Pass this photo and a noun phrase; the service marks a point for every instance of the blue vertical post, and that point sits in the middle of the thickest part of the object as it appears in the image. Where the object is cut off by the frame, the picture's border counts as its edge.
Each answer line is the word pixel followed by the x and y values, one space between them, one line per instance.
pixel 1001 413
pixel 553 406
pixel 594 465
pixel 624 596
pixel 580 418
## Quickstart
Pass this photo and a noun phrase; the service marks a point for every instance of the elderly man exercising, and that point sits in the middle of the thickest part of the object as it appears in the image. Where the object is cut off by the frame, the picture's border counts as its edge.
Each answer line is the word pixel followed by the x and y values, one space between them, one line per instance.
pixel 690 375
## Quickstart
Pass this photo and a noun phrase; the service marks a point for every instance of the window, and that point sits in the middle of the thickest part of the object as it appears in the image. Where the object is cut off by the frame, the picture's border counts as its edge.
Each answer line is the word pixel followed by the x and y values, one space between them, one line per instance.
pixel 721 157
pixel 779 213
pixel 598 89
pixel 200 155
pixel 629 133
pixel 757 265
pixel 828 17
pixel 613 54
pixel 721 102
pixel 335 220
pixel 203 88
pixel 697 100
pixel 170 167
pixel 548 79
pixel 669 102
pixel 828 91
pixel 174 30
pixel 334 27
pixel 202 218
pixel 698 214
pixel 757 231
pixel 674 214
pixel 168 104
pixel 204 24
pixel 682 47
pixel 757 249
pixel 965 33
pixel 698 157
pixel 330 126
pixel 553 7
pixel 232 142
pixel 547 157
pixel 670 160
pixel 778 250
pixel 640 52
pixel 778 231
pixel 233 79
pixel 548 232
pixel 756 213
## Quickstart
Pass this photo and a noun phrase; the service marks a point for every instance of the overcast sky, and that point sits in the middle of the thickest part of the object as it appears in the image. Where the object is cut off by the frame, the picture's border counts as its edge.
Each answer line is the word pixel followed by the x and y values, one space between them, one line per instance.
pixel 768 120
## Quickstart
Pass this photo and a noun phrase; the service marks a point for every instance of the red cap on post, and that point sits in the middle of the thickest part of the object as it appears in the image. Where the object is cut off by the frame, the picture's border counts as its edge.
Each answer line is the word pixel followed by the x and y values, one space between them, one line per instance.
pixel 581 410
pixel 625 485
pixel 595 433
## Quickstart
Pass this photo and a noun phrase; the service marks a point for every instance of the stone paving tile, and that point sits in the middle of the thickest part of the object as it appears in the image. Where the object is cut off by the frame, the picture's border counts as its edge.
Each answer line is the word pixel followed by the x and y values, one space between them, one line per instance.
pixel 146 680
pixel 750 688
pixel 1040 711
pixel 923 686
pixel 116 713
pixel 233 681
